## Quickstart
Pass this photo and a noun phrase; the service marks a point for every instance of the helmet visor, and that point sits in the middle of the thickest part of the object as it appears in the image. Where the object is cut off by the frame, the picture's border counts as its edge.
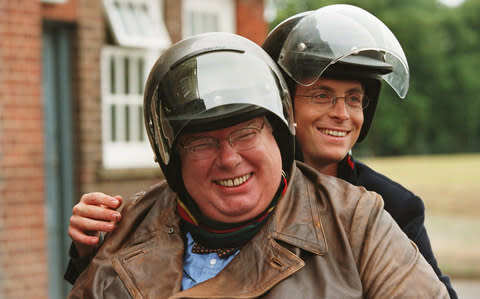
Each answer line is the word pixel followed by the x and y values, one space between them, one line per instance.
pixel 339 33
pixel 213 86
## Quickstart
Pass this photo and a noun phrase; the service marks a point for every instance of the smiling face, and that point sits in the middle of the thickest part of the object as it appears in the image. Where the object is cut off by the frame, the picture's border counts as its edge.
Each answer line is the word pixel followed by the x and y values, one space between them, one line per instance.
pixel 326 133
pixel 233 186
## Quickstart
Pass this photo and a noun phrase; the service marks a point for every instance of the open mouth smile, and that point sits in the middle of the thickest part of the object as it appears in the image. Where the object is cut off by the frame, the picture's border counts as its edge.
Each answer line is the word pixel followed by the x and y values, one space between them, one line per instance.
pixel 234 182
pixel 334 133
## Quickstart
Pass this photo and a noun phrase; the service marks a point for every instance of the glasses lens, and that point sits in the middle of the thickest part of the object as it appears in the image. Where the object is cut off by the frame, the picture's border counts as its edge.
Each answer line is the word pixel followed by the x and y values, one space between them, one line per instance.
pixel 245 139
pixel 322 97
pixel 202 148
pixel 354 100
pixel 241 140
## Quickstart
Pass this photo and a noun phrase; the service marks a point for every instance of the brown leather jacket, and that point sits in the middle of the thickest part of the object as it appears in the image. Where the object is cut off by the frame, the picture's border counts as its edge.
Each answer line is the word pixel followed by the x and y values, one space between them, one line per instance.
pixel 326 239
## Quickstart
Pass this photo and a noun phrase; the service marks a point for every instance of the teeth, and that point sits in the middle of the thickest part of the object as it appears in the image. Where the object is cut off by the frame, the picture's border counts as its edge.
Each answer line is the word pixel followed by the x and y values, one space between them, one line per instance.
pixel 334 133
pixel 234 182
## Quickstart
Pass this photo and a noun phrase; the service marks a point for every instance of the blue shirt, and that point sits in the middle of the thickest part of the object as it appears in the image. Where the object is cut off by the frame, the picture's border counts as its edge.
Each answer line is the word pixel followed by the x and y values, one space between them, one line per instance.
pixel 200 267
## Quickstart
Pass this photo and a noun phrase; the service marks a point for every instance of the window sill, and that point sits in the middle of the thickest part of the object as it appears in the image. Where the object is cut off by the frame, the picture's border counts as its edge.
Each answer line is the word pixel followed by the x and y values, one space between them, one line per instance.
pixel 129 174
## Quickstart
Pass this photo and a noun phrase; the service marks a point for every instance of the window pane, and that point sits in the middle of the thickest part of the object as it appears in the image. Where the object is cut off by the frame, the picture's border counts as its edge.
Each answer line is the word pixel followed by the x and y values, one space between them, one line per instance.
pixel 141 74
pixel 217 15
pixel 112 75
pixel 123 11
pixel 113 123
pixel 145 21
pixel 133 20
pixel 138 23
pixel 203 22
pixel 214 23
pixel 193 22
pixel 141 133
pixel 126 65
pixel 127 122
pixel 123 125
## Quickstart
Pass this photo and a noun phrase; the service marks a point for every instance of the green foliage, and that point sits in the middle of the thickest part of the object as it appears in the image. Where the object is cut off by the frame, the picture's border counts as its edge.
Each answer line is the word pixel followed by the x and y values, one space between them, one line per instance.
pixel 441 113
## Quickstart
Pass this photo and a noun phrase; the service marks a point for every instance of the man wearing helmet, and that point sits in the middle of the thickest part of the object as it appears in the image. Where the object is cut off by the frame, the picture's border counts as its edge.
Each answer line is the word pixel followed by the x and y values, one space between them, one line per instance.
pixel 334 60
pixel 236 217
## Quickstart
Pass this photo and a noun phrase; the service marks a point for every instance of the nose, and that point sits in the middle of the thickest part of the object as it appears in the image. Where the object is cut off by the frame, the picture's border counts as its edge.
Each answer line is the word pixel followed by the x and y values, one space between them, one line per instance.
pixel 227 156
pixel 339 110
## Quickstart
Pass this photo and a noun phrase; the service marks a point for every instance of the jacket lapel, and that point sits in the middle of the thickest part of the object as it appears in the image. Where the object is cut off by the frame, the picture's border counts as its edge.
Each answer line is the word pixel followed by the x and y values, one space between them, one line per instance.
pixel 152 266
pixel 259 266
pixel 150 269
pixel 298 217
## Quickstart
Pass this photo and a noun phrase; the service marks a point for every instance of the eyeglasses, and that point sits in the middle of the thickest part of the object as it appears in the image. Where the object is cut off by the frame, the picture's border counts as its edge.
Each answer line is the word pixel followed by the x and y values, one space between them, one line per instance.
pixel 243 139
pixel 355 100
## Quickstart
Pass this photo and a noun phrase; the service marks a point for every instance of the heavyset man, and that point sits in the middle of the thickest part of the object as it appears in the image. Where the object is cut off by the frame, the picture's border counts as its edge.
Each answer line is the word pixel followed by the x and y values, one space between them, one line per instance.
pixel 236 216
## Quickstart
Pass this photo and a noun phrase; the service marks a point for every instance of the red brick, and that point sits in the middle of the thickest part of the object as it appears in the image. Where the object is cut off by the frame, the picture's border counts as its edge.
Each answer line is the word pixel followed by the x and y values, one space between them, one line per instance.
pixel 250 20
pixel 60 12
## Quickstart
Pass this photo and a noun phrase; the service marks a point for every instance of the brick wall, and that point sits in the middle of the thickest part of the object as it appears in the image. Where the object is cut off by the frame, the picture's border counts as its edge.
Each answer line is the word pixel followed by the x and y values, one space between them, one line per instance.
pixel 23 247
pixel 88 43
pixel 23 265
pixel 66 12
pixel 250 21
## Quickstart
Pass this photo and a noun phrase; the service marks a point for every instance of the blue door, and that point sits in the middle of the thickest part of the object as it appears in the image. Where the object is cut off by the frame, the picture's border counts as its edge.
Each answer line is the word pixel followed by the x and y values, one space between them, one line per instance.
pixel 58 126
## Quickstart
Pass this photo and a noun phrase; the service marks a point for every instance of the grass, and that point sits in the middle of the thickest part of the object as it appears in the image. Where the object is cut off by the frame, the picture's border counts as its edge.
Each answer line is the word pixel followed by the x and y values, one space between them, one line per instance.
pixel 450 187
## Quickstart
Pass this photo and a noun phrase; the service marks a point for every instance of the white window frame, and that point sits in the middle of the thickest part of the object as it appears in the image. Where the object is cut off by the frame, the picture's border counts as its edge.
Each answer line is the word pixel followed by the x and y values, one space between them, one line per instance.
pixel 125 143
pixel 208 15
pixel 139 30
pixel 137 23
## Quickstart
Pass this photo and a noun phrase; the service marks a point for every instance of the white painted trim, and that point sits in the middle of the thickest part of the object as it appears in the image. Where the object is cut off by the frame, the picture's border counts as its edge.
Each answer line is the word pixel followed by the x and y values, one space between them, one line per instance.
pixel 137 23
pixel 208 15
pixel 136 151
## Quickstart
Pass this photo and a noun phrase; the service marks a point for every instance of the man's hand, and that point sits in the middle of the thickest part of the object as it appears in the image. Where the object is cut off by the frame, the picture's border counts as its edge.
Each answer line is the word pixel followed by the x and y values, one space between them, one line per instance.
pixel 94 213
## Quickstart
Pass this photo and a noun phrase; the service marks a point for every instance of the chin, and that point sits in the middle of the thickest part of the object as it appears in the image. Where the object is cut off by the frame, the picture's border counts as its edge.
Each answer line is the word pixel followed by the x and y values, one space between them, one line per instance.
pixel 336 156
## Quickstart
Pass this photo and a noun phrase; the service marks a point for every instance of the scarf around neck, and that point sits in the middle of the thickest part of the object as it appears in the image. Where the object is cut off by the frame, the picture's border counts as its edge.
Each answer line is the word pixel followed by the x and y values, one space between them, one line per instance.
pixel 214 234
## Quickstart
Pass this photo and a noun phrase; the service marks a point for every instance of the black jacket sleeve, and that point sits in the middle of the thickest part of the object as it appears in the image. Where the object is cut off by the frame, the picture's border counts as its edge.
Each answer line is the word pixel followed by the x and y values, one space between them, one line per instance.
pixel 76 265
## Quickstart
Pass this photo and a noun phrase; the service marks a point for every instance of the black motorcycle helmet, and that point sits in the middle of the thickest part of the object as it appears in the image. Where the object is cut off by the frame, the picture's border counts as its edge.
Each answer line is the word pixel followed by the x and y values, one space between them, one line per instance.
pixel 340 42
pixel 212 81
